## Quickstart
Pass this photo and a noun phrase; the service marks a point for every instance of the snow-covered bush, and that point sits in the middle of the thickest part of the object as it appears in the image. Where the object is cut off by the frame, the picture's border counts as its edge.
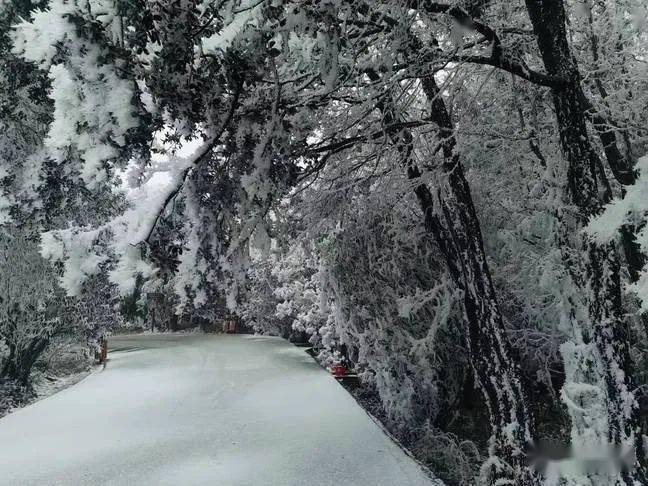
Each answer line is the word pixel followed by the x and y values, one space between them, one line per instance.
pixel 32 307
pixel 13 395
pixel 393 311
pixel 453 459
pixel 260 304
pixel 285 294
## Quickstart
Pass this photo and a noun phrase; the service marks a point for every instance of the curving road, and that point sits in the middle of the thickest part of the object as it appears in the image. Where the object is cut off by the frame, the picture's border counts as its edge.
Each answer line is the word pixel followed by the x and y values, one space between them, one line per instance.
pixel 202 410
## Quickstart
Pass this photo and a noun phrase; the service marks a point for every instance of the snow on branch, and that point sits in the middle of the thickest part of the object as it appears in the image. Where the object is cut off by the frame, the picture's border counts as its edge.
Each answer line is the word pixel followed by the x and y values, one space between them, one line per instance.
pixel 93 110
pixel 239 20
pixel 82 248
pixel 632 209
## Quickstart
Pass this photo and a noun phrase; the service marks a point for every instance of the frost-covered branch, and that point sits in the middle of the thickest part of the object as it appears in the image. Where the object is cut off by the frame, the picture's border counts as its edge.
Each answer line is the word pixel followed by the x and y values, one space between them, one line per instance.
pixel 193 161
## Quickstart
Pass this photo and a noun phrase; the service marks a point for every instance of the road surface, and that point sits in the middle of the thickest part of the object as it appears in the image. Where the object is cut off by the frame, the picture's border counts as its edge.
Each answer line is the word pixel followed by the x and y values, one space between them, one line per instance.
pixel 202 410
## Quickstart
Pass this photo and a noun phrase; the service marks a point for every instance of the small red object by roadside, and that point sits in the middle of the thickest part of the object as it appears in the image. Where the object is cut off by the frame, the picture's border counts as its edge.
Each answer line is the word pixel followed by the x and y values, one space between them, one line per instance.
pixel 339 370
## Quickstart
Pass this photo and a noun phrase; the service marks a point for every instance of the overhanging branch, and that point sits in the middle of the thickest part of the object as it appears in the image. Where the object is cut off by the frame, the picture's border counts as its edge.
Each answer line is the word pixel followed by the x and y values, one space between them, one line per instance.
pixel 498 57
pixel 199 156
pixel 512 67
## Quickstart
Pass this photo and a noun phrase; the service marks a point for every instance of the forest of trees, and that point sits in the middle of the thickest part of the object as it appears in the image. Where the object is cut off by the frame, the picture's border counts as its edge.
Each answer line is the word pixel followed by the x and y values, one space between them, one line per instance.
pixel 451 197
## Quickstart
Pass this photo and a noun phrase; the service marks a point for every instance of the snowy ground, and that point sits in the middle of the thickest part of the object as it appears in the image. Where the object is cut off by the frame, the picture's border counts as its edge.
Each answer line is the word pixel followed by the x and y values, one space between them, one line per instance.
pixel 195 409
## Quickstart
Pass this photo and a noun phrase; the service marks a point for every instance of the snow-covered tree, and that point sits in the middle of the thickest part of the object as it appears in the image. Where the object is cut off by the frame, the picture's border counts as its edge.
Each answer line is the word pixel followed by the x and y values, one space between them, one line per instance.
pixel 32 309
pixel 438 161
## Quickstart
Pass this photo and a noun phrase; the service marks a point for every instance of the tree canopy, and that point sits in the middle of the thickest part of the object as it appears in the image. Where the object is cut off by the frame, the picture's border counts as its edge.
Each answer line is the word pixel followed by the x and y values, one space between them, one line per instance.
pixel 442 194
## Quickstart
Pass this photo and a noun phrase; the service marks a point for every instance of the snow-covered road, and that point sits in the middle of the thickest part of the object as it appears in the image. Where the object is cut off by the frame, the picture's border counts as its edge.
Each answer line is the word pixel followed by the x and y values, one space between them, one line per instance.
pixel 194 409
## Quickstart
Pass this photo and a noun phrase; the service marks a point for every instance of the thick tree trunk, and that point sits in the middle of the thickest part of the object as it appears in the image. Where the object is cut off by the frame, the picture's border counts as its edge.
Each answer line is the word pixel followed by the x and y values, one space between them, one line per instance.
pixel 456 229
pixel 596 272
pixel 497 373
pixel 20 362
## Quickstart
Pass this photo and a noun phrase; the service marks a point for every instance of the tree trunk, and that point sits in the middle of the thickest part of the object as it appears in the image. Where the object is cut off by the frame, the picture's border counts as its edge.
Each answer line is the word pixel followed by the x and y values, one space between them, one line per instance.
pixel 20 362
pixel 497 372
pixel 622 165
pixel 456 229
pixel 596 268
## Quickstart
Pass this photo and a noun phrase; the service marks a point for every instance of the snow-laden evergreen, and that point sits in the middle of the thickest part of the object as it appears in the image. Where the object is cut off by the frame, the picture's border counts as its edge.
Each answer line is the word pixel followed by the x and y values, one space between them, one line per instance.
pixel 446 198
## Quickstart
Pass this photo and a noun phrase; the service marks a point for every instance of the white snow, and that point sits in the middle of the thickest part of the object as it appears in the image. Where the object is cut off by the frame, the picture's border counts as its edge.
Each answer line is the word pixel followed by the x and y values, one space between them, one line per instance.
pixel 80 247
pixel 195 409
pixel 232 29
pixel 93 111
pixel 631 209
